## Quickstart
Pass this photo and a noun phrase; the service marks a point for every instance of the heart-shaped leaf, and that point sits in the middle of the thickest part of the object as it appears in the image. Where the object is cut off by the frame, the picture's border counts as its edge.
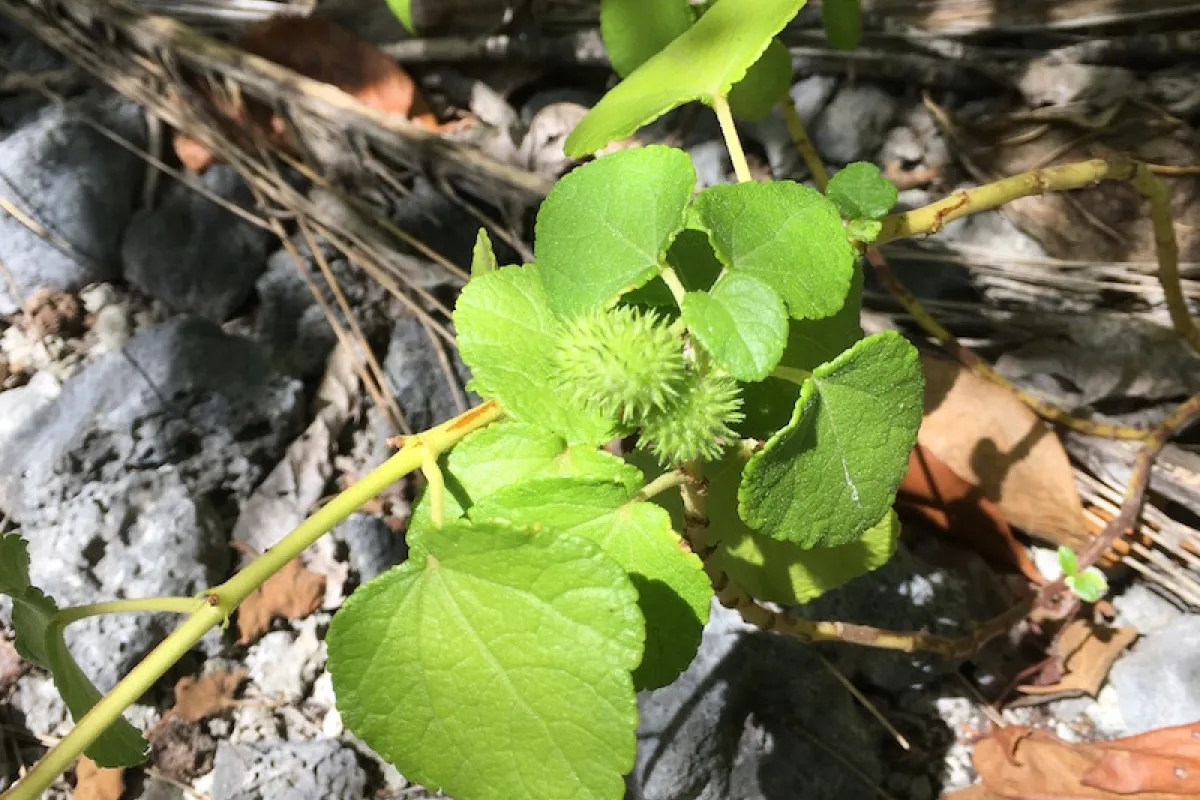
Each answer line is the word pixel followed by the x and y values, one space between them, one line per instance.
pixel 860 192
pixel 705 62
pixel 741 322
pixel 832 472
pixel 494 665
pixel 508 336
pixel 785 234
pixel 673 591
pixel 606 226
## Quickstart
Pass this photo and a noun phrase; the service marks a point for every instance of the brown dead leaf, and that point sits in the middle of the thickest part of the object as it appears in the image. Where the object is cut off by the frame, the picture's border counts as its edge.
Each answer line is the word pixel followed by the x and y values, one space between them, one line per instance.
pixel 180 750
pixel 10 665
pixel 991 439
pixel 97 783
pixel 1019 763
pixel 325 52
pixel 1087 652
pixel 934 493
pixel 198 698
pixel 292 593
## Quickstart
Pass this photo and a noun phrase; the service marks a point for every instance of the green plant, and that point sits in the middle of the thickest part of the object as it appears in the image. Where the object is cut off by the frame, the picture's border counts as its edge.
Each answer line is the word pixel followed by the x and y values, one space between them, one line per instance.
pixel 1089 584
pixel 550 579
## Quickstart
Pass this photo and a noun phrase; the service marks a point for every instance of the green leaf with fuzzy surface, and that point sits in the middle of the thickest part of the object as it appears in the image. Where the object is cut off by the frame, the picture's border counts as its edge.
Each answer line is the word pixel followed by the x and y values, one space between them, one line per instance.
pixel 606 226
pixel 861 192
pixel 41 641
pixel 705 62
pixel 634 30
pixel 741 322
pixel 507 453
pixel 832 472
pixel 495 665
pixel 508 336
pixel 785 234
pixel 673 591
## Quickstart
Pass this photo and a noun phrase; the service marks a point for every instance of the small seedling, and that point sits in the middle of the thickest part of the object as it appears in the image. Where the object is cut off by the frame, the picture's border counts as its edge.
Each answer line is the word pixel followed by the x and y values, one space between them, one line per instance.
pixel 1090 584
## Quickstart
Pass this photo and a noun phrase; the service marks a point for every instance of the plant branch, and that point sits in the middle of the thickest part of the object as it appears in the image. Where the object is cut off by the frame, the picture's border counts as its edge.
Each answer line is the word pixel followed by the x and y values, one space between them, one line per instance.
pixel 671 279
pixel 219 603
pixel 1135 491
pixel 792 374
pixel 795 126
pixel 982 368
pixel 170 605
pixel 729 130
pixel 668 480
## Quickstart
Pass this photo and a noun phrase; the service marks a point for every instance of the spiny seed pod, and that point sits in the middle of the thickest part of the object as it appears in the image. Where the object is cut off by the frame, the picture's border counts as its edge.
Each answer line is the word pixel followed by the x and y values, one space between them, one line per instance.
pixel 696 426
pixel 623 362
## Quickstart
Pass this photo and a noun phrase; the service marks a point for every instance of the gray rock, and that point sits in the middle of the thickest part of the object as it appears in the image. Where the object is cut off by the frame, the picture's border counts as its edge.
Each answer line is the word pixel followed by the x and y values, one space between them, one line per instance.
pixel 1158 684
pixel 292 325
pixel 77 184
pixel 419 383
pixel 284 665
pixel 127 484
pixel 811 95
pixel 905 594
pixel 317 770
pixel 22 402
pixel 194 255
pixel 852 127
pixel 1144 609
pixel 372 546
pixel 741 722
pixel 712 163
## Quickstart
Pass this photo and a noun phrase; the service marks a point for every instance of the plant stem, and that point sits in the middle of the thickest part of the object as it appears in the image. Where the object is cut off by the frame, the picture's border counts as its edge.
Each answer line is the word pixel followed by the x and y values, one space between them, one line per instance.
pixel 219 603
pixel 793 374
pixel 729 130
pixel 795 127
pixel 671 279
pixel 437 485
pixel 668 480
pixel 171 605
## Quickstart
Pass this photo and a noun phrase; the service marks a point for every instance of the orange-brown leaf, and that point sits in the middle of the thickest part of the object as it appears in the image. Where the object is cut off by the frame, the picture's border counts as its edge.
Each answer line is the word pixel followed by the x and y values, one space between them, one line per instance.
pixel 1018 763
pixel 991 439
pixel 938 496
pixel 97 783
pixel 292 593
pixel 1087 652
pixel 198 698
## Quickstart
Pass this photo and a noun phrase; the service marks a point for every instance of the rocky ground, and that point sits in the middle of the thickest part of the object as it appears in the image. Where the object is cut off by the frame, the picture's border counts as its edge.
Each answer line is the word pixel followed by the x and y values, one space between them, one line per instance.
pixel 165 370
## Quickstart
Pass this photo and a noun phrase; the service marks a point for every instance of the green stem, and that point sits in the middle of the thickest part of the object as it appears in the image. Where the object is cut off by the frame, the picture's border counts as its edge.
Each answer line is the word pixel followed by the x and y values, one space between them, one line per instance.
pixel 668 480
pixel 795 127
pixel 793 374
pixel 729 130
pixel 671 279
pixel 170 605
pixel 219 603
pixel 437 486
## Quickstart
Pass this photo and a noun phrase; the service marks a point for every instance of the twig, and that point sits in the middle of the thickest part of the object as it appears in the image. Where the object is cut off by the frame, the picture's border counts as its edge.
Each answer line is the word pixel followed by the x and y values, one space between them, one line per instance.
pixel 795 127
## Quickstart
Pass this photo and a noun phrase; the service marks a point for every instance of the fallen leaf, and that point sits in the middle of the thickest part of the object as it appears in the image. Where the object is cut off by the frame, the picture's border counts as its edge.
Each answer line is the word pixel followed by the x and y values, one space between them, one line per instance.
pixel 180 750
pixel 292 593
pixel 1087 652
pixel 10 665
pixel 97 783
pixel 320 50
pixel 957 508
pixel 991 439
pixel 206 696
pixel 1020 763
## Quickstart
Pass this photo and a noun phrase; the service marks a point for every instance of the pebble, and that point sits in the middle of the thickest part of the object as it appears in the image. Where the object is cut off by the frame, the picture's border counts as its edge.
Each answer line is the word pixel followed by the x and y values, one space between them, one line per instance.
pixel 852 126
pixel 1158 684
pixel 277 770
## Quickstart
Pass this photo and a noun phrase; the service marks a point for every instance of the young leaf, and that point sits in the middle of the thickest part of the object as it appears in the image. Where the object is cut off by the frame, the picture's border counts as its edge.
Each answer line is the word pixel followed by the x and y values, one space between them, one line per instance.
pixel 833 471
pixel 1068 561
pixel 508 453
pixel 843 22
pixel 765 84
pixel 1090 586
pixel 605 226
pixel 673 591
pixel 785 234
pixel 508 337
pixel 483 257
pixel 864 231
pixel 634 30
pixel 703 63
pixel 494 664
pixel 742 323
pixel 403 11
pixel 861 192
pixel 42 642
